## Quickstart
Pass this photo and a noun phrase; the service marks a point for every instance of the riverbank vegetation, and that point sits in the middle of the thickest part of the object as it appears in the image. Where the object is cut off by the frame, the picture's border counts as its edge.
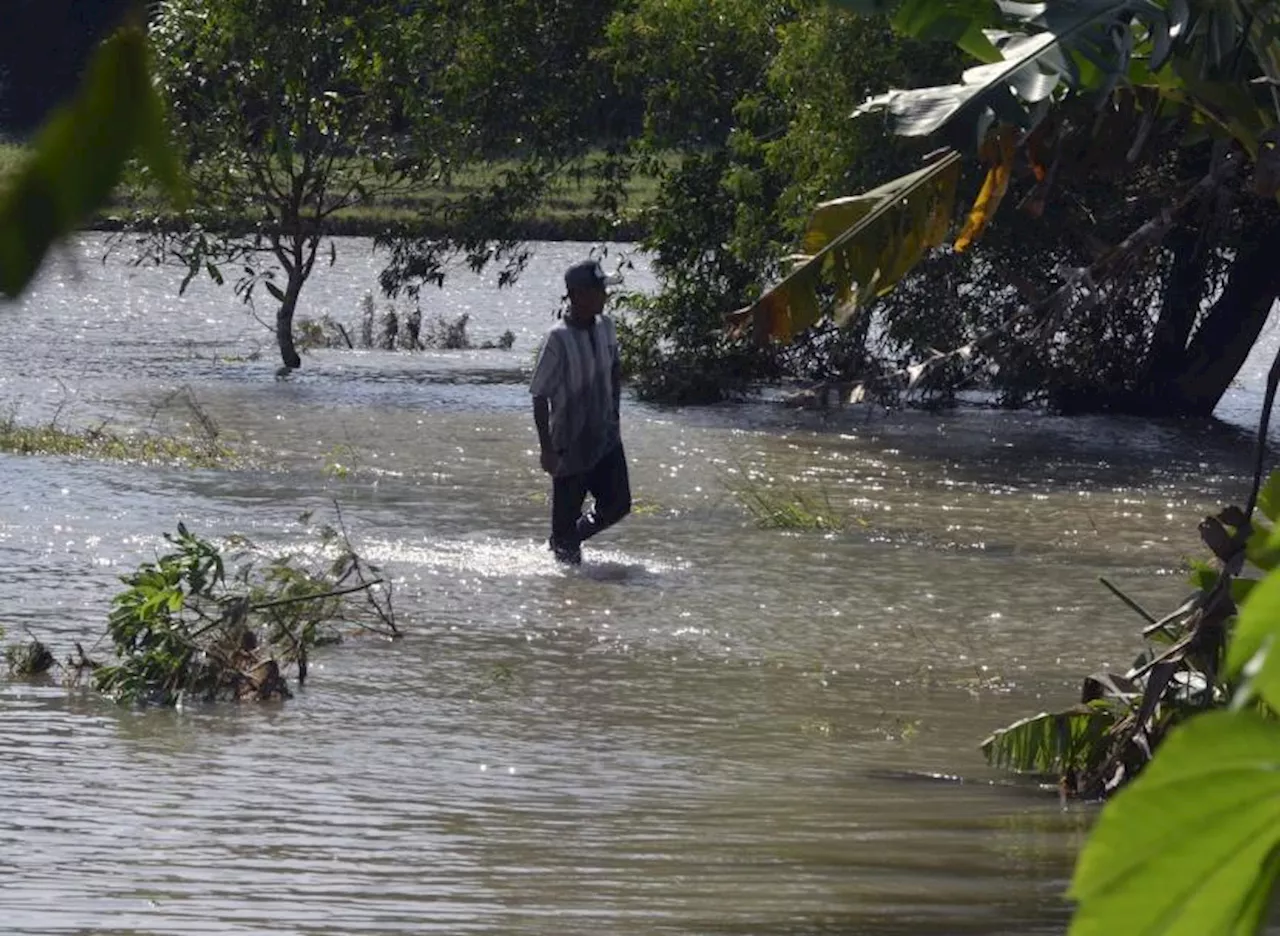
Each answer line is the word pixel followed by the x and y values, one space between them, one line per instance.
pixel 1129 280
pixel 1189 845
pixel 397 328
pixel 1107 739
pixel 103 444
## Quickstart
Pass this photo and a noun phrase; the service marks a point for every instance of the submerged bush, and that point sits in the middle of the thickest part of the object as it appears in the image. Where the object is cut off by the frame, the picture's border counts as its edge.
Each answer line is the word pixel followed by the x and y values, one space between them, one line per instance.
pixel 184 629
pixel 504 342
pixel 445 334
pixel 396 329
pixel 51 439
pixel 28 659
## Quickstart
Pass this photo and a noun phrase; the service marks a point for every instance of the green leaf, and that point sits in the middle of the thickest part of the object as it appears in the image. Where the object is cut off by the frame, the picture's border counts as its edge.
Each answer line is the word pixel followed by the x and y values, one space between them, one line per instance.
pixel 1269 497
pixel 276 292
pixel 79 155
pixel 1188 847
pixel 1255 631
pixel 1241 589
pixel 1032 64
pixel 957 21
pixel 1203 575
pixel 1263 548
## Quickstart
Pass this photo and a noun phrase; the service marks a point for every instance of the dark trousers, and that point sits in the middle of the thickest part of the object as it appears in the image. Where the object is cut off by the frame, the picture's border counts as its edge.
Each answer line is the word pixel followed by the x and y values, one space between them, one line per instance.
pixel 610 488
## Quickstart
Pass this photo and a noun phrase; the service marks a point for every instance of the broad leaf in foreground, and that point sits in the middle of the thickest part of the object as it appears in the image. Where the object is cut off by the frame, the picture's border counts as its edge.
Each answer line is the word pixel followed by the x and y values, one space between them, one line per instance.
pixel 1187 848
pixel 1251 653
pixel 80 154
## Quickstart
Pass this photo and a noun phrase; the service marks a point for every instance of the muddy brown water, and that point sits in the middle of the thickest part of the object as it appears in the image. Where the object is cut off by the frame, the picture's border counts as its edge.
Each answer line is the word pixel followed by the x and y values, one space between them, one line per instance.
pixel 709 728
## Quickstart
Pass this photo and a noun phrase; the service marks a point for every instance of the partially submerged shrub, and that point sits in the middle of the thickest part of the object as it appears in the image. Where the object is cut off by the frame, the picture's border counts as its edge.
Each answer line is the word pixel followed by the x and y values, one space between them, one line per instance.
pixel 445 334
pixel 410 334
pixel 183 629
pixel 408 331
pixel 504 342
pixel 28 659
pixel 51 439
pixel 367 312
pixel 390 330
pixel 310 334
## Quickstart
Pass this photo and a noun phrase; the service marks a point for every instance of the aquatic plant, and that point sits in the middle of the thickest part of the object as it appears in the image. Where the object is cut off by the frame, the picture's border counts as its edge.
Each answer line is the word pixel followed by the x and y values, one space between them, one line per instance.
pixel 184 629
pixel 787 508
pixel 98 442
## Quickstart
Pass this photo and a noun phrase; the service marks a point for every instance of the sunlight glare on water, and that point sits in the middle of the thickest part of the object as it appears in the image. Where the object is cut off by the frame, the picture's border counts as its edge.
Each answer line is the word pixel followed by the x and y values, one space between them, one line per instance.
pixel 709 727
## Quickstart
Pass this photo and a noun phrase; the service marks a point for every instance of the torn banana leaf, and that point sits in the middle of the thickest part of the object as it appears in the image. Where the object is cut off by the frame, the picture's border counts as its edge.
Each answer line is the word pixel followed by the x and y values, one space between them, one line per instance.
pixel 858 248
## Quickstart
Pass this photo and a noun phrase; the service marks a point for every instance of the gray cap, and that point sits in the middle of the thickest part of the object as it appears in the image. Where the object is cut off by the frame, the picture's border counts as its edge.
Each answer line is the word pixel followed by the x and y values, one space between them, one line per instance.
pixel 588 274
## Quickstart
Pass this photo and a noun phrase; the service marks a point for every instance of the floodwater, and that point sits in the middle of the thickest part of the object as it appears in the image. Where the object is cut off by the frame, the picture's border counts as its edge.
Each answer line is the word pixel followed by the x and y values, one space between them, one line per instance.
pixel 708 728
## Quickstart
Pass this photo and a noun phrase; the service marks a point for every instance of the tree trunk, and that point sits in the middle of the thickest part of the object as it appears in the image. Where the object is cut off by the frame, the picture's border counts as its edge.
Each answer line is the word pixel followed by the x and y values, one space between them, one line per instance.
pixel 284 322
pixel 1180 302
pixel 1229 331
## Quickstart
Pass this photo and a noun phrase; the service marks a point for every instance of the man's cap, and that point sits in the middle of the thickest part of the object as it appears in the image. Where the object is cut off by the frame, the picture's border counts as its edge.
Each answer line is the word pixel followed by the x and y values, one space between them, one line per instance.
pixel 589 274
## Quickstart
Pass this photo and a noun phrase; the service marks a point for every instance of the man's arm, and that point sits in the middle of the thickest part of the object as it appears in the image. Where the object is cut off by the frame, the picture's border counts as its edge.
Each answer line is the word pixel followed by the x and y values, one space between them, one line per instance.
pixel 546 376
pixel 542 420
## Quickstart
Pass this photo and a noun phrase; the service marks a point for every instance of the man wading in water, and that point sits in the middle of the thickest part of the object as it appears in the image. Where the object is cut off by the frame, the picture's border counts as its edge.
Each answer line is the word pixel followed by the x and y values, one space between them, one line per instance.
pixel 577 390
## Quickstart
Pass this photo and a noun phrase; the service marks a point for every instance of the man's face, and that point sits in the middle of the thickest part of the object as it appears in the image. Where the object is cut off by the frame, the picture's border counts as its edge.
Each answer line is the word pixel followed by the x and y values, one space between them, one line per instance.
pixel 587 302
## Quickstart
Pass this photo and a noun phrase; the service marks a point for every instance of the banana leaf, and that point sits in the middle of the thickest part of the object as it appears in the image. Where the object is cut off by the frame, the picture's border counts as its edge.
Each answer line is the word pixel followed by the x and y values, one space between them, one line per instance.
pixel 1051 743
pixel 1074 45
pixel 857 248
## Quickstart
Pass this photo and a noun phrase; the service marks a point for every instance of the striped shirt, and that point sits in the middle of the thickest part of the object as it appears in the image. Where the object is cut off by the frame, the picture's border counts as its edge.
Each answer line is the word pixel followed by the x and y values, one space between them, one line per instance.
pixel 575 373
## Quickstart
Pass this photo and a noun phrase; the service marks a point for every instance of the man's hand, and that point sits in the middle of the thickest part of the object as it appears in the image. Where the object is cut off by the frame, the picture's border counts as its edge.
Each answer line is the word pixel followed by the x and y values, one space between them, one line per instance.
pixel 549 461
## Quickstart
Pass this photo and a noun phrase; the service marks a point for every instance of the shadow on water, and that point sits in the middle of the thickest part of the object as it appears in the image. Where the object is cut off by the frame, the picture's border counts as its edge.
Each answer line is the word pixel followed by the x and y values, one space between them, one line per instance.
pixel 619 572
pixel 984 444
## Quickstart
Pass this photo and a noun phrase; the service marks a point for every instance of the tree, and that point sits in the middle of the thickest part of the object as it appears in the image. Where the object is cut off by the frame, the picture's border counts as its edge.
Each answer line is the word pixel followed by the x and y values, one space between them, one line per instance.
pixel 752 97
pixel 524 95
pixel 1059 87
pixel 289 114
pixel 286 114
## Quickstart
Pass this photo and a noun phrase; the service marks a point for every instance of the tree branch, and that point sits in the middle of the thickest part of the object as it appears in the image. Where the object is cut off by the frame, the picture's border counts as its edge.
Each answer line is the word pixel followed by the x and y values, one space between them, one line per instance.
pixel 336 593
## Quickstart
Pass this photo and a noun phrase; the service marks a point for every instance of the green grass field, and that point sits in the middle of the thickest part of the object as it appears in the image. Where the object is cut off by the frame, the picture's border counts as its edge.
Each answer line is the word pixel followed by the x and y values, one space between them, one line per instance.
pixel 569 206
